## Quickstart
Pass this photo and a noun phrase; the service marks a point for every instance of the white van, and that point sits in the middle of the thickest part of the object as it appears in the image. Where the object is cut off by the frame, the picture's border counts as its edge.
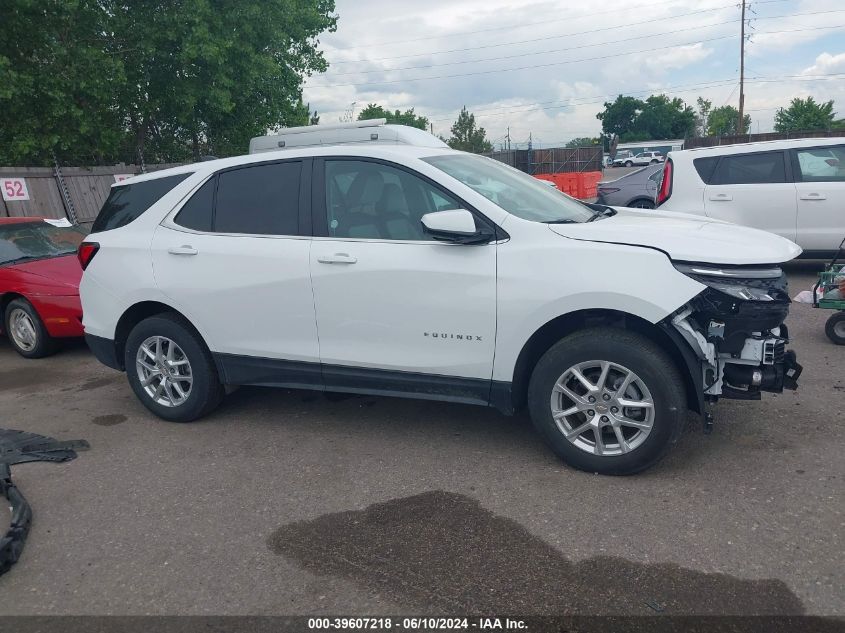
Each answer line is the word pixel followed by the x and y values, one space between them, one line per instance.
pixel 794 188
pixel 366 132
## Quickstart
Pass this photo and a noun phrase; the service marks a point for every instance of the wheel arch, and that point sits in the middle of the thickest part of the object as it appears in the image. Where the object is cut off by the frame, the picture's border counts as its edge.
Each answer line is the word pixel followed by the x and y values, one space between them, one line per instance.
pixel 515 397
pixel 636 199
pixel 136 313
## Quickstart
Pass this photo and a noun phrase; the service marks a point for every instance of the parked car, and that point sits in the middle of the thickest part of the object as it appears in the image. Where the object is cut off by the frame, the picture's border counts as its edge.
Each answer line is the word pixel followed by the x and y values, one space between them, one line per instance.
pixel 794 188
pixel 391 270
pixel 637 189
pixel 39 283
pixel 621 157
pixel 643 158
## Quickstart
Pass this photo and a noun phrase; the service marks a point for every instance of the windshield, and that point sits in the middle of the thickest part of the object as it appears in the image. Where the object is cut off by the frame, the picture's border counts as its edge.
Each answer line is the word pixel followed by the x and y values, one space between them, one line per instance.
pixel 37 240
pixel 516 192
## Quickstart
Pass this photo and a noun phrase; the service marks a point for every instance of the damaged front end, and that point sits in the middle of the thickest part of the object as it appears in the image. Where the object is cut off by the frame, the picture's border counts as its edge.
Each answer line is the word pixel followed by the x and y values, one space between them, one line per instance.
pixel 736 328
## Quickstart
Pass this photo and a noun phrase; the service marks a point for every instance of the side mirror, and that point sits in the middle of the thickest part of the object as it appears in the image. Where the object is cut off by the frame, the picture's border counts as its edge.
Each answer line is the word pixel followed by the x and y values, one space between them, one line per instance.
pixel 457 226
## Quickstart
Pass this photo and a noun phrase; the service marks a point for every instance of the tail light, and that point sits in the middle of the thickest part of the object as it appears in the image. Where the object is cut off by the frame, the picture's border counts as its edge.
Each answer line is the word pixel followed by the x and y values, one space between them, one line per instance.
pixel 86 253
pixel 666 184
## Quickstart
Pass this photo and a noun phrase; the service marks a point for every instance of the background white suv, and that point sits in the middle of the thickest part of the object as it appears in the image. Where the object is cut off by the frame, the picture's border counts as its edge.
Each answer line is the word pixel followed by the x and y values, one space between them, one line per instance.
pixel 431 273
pixel 794 188
pixel 643 158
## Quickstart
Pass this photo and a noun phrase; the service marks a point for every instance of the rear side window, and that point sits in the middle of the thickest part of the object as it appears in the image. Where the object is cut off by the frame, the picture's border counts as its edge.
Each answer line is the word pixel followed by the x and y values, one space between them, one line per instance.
pixel 750 169
pixel 705 167
pixel 822 164
pixel 127 203
pixel 262 199
pixel 197 213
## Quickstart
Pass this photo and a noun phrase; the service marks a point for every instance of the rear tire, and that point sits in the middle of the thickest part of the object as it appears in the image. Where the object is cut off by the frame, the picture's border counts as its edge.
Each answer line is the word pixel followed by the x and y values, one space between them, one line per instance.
pixel 653 161
pixel 637 408
pixel 641 204
pixel 26 330
pixel 835 328
pixel 171 370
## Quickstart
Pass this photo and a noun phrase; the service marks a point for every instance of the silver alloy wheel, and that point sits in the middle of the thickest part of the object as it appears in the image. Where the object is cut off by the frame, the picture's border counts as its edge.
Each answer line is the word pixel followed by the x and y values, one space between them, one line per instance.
pixel 23 330
pixel 839 329
pixel 603 408
pixel 164 371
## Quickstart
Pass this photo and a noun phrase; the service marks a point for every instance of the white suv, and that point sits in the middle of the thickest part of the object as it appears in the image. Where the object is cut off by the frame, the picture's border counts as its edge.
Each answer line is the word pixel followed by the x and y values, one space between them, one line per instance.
pixel 431 273
pixel 643 158
pixel 794 188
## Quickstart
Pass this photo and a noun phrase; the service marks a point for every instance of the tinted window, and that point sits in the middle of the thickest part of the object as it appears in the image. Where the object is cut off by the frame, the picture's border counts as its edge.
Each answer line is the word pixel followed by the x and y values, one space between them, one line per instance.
pixel 196 213
pixel 747 169
pixel 37 240
pixel 705 167
pixel 126 203
pixel 263 199
pixel 822 164
pixel 374 201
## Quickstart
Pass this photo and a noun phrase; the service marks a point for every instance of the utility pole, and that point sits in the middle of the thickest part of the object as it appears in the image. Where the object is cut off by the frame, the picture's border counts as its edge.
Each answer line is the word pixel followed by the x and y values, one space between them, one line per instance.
pixel 741 71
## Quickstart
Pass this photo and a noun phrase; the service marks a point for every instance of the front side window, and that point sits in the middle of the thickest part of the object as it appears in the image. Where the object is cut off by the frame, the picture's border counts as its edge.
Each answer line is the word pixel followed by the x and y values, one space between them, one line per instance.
pixel 259 199
pixel 822 164
pixel 37 240
pixel 514 191
pixel 127 203
pixel 749 169
pixel 368 200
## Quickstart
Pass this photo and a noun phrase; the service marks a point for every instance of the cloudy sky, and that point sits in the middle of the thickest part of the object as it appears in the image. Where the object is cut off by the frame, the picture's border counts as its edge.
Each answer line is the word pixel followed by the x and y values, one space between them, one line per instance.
pixel 545 68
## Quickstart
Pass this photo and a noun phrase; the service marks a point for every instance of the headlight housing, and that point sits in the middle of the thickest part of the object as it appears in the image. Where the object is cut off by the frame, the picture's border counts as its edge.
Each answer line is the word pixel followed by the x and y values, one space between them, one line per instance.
pixel 750 283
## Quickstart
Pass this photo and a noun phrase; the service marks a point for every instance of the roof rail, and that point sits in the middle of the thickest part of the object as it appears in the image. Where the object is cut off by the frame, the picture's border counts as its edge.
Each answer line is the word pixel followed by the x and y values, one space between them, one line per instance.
pixel 352 133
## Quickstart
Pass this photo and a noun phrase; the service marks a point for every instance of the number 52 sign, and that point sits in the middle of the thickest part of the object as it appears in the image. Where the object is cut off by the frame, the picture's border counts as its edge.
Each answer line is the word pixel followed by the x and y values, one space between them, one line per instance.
pixel 14 189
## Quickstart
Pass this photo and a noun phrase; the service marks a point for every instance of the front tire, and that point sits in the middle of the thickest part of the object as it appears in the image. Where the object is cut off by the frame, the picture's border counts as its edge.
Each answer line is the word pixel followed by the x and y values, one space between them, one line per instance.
pixel 607 401
pixel 628 163
pixel 171 370
pixel 835 328
pixel 26 330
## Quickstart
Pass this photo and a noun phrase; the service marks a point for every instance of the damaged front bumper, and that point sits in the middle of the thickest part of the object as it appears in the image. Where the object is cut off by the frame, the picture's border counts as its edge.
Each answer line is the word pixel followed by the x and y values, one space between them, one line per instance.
pixel 735 327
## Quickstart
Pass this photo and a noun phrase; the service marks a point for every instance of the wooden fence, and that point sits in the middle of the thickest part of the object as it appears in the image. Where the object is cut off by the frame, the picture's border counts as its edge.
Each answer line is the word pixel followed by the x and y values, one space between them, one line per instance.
pixel 555 160
pixel 87 188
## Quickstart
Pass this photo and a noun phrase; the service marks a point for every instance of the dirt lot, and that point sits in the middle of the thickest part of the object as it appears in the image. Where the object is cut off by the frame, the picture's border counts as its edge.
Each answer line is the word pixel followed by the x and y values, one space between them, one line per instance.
pixel 288 502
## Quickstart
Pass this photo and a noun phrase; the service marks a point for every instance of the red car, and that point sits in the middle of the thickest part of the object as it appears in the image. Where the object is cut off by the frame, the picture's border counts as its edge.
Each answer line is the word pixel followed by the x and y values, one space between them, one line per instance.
pixel 39 283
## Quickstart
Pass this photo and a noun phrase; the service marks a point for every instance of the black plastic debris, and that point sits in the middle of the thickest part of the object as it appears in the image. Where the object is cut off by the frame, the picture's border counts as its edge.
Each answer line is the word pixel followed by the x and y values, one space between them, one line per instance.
pixel 17 447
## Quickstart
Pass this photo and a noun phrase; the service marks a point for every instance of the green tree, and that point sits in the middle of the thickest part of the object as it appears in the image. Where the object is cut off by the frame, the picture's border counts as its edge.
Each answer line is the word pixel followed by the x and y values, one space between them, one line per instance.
pixel 57 84
pixel 705 106
pixel 102 80
pixel 467 137
pixel 723 121
pixel 658 117
pixel 408 117
pixel 805 114
pixel 619 117
pixel 583 141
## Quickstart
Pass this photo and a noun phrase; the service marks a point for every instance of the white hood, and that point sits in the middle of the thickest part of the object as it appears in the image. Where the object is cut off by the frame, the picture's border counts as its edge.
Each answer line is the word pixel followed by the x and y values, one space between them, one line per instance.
pixel 685 237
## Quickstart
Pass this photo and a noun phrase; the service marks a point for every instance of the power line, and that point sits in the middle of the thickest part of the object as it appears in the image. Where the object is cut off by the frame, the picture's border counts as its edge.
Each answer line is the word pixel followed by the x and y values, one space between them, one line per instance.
pixel 550 64
pixel 511 27
pixel 672 89
pixel 542 39
pixel 564 35
pixel 542 52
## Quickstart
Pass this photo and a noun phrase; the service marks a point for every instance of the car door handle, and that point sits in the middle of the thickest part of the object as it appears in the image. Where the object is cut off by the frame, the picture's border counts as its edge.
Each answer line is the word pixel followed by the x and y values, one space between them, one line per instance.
pixel 721 197
pixel 182 250
pixel 813 196
pixel 337 258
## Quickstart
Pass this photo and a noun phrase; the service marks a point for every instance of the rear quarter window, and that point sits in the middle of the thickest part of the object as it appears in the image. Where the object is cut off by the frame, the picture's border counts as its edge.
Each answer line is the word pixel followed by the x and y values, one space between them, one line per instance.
pixel 705 167
pixel 127 203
